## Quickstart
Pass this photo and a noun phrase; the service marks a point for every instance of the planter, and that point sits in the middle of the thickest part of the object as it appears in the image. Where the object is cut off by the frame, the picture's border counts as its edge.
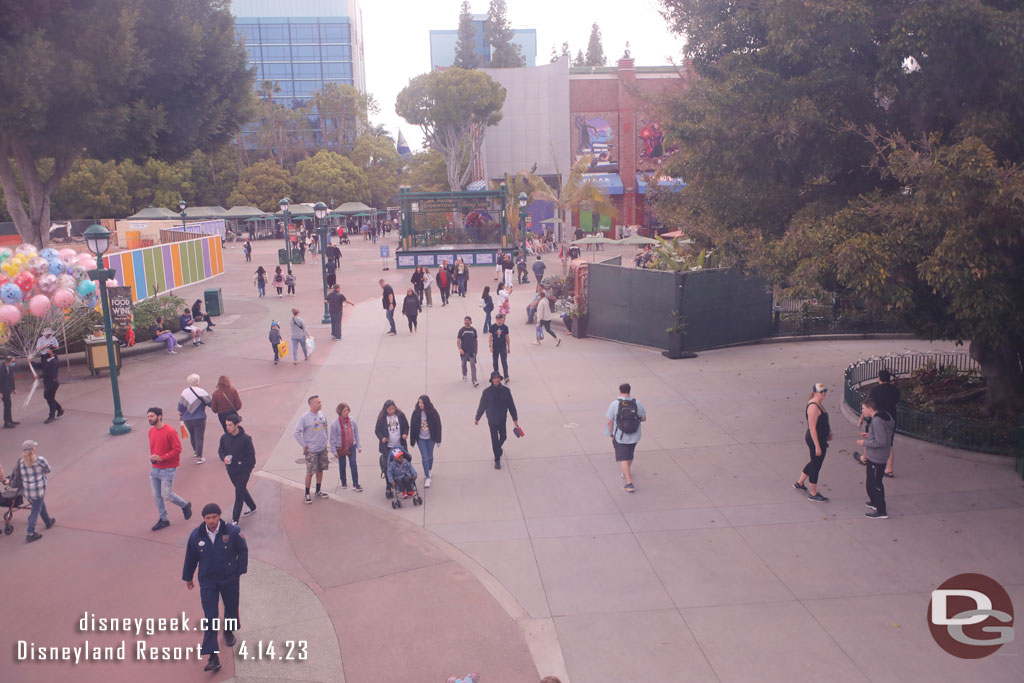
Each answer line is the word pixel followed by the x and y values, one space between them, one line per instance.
pixel 579 329
pixel 675 348
pixel 568 323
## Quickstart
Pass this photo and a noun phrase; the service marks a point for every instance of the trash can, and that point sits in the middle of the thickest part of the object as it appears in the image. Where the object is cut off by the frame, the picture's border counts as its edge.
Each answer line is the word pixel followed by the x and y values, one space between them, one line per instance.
pixel 214 301
pixel 282 257
pixel 296 256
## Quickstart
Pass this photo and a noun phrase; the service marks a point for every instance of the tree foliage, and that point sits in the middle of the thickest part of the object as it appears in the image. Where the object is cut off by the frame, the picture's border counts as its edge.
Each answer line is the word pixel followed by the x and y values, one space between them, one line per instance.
pixel 377 157
pixel 329 175
pixel 452 109
pixel 576 192
pixel 466 54
pixel 579 59
pixel 499 34
pixel 261 185
pixel 427 172
pixel 595 51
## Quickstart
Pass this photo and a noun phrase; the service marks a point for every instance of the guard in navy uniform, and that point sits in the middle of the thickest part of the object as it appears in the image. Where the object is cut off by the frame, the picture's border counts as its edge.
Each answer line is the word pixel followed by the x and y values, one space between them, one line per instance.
pixel 51 383
pixel 220 551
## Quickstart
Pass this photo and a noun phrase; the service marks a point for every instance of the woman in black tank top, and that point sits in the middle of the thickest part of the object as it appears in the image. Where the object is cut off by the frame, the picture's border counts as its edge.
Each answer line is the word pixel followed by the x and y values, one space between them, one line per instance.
pixel 818 434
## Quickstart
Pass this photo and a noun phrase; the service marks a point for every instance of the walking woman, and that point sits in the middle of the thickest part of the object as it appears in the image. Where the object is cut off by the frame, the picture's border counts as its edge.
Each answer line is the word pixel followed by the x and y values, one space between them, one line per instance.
pixel 488 303
pixel 261 281
pixel 392 430
pixel 237 453
pixel 427 282
pixel 817 437
pixel 344 443
pixel 502 295
pixel 32 470
pixel 192 413
pixel 417 283
pixel 411 308
pixel 226 400
pixel 461 280
pixel 299 334
pixel 544 320
pixel 426 431
pixel 278 281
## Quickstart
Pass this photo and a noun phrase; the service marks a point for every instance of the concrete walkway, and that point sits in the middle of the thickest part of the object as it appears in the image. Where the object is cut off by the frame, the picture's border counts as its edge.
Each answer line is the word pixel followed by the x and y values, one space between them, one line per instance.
pixel 714 570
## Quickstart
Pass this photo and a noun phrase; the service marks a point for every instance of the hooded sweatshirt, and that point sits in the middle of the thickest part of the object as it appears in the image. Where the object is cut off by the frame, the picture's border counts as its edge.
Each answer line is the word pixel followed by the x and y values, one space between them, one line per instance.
pixel 879 439
pixel 239 447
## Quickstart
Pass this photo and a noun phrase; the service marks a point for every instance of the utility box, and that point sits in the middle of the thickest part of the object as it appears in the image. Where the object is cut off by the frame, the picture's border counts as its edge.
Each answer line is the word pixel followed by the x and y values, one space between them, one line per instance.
pixel 282 257
pixel 214 300
pixel 96 354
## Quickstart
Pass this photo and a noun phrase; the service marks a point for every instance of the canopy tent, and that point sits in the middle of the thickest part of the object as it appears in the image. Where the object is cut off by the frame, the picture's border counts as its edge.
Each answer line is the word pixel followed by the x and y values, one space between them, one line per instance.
pixel 674 234
pixel 151 213
pixel 297 211
pixel 237 212
pixel 196 213
pixel 595 239
pixel 352 209
pixel 638 240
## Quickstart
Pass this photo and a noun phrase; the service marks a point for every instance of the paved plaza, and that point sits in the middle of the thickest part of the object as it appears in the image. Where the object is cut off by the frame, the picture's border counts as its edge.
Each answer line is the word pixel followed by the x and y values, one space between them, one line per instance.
pixel 716 569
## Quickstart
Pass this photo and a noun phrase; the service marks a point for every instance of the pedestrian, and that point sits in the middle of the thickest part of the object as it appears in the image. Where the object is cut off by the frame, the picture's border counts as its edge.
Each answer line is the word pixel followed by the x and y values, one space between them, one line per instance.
pixel 51 382
pixel 192 414
pixel 886 396
pixel 544 320
pixel 425 431
pixel 467 341
pixel 343 439
pixel 428 283
pixel 502 296
pixel 260 280
pixel 225 400
pixel 496 401
pixel 508 268
pixel 624 416
pixel 247 250
pixel 498 265
pixel 220 552
pixel 311 433
pixel 161 333
pixel 388 302
pixel 299 334
pixel 331 269
pixel 461 282
pixel 279 281
pixel 500 345
pixel 444 283
pixel 531 308
pixel 289 282
pixel 7 390
pixel 538 269
pixel 877 442
pixel 391 430
pixel 302 248
pixel 487 302
pixel 401 475
pixel 335 301
pixel 239 457
pixel 819 433
pixel 275 339
pixel 186 323
pixel 417 283
pixel 32 470
pixel 411 309
pixel 164 456
pixel 199 316
pixel 521 268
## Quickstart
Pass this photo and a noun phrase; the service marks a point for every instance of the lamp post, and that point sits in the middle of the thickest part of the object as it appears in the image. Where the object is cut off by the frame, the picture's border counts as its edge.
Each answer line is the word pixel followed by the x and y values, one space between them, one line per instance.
pixel 284 204
pixel 523 200
pixel 181 211
pixel 320 214
pixel 97 238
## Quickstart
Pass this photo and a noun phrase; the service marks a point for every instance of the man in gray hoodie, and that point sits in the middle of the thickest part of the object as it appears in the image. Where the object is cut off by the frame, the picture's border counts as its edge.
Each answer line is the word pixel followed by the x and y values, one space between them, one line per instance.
pixel 311 433
pixel 876 442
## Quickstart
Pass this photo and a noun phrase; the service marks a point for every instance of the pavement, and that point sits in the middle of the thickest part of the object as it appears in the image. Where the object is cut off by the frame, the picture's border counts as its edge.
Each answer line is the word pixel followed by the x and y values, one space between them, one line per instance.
pixel 716 569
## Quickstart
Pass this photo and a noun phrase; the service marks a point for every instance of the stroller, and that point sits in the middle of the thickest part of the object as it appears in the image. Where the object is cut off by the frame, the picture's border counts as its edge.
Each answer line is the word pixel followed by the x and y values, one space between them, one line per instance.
pixel 11 500
pixel 343 239
pixel 390 492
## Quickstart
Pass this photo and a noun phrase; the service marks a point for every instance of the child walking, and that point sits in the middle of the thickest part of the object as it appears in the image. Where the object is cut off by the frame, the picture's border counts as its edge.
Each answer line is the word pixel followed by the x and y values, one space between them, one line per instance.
pixel 278 281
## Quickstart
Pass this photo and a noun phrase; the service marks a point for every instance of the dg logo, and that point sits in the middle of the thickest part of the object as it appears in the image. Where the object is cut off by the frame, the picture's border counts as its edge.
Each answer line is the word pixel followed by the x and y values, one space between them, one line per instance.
pixel 970 616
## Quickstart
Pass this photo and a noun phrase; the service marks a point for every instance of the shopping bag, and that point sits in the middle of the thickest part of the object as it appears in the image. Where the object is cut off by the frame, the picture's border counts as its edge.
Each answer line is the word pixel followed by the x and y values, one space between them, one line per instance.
pixel 184 431
pixel 282 349
pixel 310 345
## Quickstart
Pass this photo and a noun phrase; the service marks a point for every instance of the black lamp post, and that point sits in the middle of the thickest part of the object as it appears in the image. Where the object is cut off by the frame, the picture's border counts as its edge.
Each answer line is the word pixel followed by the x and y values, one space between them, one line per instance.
pixel 97 238
pixel 181 211
pixel 284 204
pixel 320 215
pixel 523 201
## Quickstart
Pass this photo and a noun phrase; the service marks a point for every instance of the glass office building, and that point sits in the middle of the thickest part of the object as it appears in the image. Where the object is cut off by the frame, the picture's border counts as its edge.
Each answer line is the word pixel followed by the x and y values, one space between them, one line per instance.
pixel 443 42
pixel 302 44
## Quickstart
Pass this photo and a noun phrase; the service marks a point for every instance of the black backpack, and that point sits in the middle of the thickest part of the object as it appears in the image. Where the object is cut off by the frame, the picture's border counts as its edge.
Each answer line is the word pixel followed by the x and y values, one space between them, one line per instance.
pixel 627 419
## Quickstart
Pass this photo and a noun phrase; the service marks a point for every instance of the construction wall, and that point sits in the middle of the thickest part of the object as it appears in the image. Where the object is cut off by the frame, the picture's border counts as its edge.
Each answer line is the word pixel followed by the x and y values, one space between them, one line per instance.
pixel 164 267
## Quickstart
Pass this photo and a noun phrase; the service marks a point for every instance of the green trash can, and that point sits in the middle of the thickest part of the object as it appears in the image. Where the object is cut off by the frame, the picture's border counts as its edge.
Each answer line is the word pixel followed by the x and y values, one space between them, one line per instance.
pixel 296 256
pixel 214 301
pixel 282 257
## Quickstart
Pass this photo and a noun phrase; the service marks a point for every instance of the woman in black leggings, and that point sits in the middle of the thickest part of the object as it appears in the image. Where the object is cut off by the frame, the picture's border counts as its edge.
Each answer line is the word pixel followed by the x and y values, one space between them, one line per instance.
pixel 817 437
pixel 237 453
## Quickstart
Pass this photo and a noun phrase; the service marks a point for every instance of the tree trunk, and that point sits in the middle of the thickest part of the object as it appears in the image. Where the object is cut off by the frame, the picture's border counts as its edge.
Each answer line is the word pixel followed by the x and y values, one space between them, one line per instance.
pixel 1001 366
pixel 33 225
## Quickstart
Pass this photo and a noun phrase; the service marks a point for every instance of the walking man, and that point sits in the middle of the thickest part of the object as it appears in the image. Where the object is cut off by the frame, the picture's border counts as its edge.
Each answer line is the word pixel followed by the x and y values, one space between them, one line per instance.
pixel 466 341
pixel 538 269
pixel 544 320
pixel 496 401
pixel 32 470
pixel 624 417
pixel 311 433
pixel 332 270
pixel 499 344
pixel 876 442
pixel 164 454
pixel 444 282
pixel 335 300
pixel 220 552
pixel 50 383
pixel 192 406
pixel 388 301
pixel 7 389
pixel 886 396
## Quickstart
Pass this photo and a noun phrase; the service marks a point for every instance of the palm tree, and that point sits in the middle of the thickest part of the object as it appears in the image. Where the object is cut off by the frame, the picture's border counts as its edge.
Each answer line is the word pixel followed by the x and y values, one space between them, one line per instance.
pixel 268 89
pixel 575 193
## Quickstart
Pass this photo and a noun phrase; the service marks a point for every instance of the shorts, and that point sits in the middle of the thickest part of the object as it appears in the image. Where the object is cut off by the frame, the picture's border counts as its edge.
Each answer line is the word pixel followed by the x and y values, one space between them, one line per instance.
pixel 316 462
pixel 624 451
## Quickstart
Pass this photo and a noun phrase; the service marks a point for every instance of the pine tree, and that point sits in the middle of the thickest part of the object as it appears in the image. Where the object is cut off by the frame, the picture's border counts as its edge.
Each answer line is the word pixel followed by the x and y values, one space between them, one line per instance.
pixel 595 53
pixel 554 54
pixel 466 56
pixel 565 50
pixel 504 53
pixel 579 61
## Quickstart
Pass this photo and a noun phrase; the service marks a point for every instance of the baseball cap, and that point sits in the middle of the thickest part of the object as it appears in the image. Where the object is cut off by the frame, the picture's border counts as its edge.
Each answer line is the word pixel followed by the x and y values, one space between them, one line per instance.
pixel 819 388
pixel 28 445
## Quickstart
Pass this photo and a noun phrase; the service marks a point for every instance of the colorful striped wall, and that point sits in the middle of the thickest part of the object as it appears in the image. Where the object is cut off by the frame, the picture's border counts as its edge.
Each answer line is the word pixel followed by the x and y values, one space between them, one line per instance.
pixel 167 266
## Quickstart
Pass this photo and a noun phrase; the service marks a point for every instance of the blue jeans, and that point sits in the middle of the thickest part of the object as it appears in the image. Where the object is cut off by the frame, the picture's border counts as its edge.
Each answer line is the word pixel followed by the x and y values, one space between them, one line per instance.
pixel 162 481
pixel 38 508
pixel 351 459
pixel 390 313
pixel 531 311
pixel 487 322
pixel 426 455
pixel 296 343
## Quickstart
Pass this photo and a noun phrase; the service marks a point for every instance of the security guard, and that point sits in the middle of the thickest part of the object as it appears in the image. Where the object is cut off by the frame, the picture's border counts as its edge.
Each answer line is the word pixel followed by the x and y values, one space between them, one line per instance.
pixel 51 383
pixel 220 551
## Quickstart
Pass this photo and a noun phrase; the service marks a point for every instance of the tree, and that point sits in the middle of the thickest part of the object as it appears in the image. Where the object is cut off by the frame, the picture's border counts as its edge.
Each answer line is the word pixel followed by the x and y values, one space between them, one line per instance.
pixel 579 60
pixel 262 185
pixel 377 157
pixel 329 175
pixel 865 148
pixel 214 176
pixel 343 113
pixel 575 193
pixel 466 55
pixel 92 189
pixel 554 54
pixel 452 109
pixel 595 52
pixel 121 79
pixel 426 172
pixel 499 34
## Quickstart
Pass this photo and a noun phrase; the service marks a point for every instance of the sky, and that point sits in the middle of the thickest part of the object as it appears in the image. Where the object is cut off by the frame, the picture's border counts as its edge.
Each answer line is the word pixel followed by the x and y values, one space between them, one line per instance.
pixel 397 40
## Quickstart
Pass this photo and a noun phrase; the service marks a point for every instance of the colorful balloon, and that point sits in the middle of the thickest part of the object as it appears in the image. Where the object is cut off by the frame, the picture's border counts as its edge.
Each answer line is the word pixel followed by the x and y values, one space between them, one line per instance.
pixel 79 274
pixel 67 253
pixel 47 284
pixel 49 253
pixel 10 267
pixel 63 298
pixel 5 333
pixel 26 248
pixel 39 305
pixel 56 266
pixel 10 314
pixel 112 283
pixel 5 253
pixel 39 266
pixel 11 293
pixel 66 282
pixel 86 287
pixel 25 280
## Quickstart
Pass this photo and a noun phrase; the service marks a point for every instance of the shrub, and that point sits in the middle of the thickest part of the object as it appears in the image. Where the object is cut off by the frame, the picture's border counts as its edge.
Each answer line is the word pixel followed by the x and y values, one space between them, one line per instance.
pixel 169 306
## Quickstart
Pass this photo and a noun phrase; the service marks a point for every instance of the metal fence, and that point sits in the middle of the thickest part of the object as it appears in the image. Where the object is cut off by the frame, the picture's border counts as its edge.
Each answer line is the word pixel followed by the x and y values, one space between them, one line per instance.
pixel 792 317
pixel 947 430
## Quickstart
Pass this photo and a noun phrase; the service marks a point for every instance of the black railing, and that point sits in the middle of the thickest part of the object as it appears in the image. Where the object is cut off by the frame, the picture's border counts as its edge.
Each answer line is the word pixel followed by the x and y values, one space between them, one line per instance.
pixel 805 317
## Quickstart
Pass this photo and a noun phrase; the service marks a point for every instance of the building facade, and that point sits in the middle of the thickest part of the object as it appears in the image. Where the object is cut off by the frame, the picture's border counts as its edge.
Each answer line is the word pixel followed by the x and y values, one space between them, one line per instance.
pixel 442 44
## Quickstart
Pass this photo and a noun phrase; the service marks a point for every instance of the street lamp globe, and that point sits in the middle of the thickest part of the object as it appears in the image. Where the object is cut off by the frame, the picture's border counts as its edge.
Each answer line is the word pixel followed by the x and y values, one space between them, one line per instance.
pixel 320 210
pixel 182 206
pixel 284 203
pixel 523 200
pixel 97 238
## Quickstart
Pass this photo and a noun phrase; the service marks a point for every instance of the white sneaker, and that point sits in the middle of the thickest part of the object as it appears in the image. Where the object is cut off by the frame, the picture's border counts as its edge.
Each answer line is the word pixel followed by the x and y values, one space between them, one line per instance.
pixel 200 461
pixel 426 482
pixel 249 512
pixel 463 378
pixel 536 343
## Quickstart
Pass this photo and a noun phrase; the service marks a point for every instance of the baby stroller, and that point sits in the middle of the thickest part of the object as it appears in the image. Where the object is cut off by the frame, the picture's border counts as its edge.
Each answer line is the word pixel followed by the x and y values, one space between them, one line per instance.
pixel 11 500
pixel 390 491
pixel 343 239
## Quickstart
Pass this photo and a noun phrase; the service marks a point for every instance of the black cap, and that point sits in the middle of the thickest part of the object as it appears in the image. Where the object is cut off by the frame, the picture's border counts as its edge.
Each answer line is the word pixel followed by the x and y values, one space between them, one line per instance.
pixel 211 509
pixel 495 374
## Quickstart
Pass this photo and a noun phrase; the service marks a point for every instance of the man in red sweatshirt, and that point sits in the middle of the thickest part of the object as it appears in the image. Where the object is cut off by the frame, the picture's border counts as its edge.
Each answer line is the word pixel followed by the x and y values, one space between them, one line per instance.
pixel 164 453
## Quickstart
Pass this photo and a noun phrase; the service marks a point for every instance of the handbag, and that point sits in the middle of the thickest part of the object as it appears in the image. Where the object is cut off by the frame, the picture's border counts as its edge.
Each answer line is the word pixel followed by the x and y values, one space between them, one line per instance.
pixel 310 345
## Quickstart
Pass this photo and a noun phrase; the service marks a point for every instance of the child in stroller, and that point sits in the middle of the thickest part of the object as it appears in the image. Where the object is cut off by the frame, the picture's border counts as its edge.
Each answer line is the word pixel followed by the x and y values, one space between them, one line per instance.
pixel 401 476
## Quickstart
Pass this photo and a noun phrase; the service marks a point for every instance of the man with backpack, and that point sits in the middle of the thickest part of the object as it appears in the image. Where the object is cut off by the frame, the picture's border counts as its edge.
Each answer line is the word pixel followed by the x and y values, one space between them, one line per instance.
pixel 624 417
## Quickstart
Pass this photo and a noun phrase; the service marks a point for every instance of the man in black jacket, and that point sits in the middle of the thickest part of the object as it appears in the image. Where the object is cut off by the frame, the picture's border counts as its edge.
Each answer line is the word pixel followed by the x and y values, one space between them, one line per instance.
pixel 239 455
pixel 6 389
pixel 496 401
pixel 50 383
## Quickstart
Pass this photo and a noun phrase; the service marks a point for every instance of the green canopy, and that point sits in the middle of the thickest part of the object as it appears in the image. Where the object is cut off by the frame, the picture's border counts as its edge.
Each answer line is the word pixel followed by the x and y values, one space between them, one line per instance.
pixel 153 214
pixel 595 239
pixel 352 209
pixel 638 240
pixel 243 212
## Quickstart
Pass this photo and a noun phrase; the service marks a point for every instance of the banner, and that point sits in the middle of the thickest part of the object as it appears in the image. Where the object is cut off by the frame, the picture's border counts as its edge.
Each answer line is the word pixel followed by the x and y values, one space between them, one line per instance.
pixel 121 310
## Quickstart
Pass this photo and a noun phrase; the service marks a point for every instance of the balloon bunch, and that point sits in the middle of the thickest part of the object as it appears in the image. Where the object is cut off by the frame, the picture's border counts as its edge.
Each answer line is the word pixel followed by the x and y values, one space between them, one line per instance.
pixel 31 281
